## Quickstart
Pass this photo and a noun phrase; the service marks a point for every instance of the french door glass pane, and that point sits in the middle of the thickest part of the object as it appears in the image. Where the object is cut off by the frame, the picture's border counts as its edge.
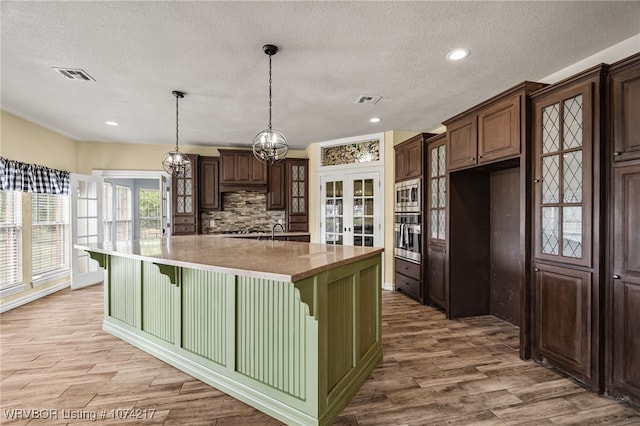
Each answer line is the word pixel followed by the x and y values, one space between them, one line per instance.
pixel 572 231
pixel 333 212
pixel 550 237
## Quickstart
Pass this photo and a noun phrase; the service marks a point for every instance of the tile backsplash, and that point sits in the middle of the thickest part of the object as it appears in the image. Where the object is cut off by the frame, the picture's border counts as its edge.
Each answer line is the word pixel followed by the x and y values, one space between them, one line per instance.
pixel 241 211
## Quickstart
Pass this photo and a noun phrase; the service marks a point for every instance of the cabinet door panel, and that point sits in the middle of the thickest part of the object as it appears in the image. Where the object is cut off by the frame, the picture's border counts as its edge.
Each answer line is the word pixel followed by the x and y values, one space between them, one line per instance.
pixel 625 110
pixel 414 159
pixel 436 261
pixel 401 164
pixel 563 319
pixel 244 168
pixel 208 182
pixel 499 131
pixel 276 194
pixel 462 143
pixel 625 329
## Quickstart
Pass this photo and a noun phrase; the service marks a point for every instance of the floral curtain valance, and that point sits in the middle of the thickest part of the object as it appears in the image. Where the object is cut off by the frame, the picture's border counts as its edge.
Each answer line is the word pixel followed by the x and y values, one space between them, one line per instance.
pixel 24 177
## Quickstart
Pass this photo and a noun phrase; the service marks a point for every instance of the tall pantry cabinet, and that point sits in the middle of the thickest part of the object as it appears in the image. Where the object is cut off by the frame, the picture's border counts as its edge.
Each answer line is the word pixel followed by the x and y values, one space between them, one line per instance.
pixel 623 310
pixel 569 226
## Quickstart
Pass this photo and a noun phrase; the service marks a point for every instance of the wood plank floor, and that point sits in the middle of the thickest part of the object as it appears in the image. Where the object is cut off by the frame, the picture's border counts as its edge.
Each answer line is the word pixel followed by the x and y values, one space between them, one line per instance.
pixel 55 356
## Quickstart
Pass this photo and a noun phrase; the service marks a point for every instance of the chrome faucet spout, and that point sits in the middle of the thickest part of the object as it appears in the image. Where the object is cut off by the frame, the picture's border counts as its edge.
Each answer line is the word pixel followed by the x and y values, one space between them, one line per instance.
pixel 273 230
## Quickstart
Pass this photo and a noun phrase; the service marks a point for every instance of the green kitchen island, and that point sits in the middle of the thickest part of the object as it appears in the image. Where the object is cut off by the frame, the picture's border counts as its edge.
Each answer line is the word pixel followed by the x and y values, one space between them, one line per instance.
pixel 292 329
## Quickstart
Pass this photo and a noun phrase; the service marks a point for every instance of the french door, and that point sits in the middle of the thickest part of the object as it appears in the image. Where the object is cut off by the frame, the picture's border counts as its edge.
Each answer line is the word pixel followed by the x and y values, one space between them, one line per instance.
pixel 351 209
pixel 86 228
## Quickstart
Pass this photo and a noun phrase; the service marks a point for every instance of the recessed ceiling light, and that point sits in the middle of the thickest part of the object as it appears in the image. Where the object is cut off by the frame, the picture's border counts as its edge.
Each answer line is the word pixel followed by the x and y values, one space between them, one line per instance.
pixel 374 120
pixel 457 54
pixel 111 123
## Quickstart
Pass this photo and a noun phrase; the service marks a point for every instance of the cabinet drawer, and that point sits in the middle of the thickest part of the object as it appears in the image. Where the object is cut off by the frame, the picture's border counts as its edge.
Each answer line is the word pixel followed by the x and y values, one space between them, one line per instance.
pixel 297 219
pixel 408 269
pixel 302 238
pixel 184 229
pixel 182 220
pixel 408 285
pixel 298 226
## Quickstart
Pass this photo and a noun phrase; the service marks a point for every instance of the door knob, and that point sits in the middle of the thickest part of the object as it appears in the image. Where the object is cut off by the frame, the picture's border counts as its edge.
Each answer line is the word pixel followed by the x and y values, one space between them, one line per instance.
pixel 616 276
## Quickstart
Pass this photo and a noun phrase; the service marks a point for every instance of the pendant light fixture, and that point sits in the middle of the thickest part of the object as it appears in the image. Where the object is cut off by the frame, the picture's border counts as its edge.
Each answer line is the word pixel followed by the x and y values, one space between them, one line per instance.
pixel 270 145
pixel 175 162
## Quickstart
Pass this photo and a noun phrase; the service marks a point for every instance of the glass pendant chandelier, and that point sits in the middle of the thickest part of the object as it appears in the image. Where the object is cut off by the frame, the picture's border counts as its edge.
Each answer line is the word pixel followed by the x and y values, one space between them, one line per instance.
pixel 175 162
pixel 270 145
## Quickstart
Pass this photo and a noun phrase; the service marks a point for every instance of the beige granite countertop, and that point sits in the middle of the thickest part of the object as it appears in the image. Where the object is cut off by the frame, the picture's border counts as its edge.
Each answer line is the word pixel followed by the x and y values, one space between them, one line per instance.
pixel 277 260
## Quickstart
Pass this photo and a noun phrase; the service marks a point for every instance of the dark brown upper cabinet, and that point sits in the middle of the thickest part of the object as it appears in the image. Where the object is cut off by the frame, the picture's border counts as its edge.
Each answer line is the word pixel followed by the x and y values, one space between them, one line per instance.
pixel 408 158
pixel 276 189
pixel 241 170
pixel 209 194
pixel 490 131
pixel 184 200
pixel 625 108
pixel 463 147
pixel 297 211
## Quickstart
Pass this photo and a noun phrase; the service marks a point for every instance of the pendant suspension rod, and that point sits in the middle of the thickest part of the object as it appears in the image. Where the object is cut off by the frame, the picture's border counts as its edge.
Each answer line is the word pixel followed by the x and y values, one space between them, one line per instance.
pixel 269 91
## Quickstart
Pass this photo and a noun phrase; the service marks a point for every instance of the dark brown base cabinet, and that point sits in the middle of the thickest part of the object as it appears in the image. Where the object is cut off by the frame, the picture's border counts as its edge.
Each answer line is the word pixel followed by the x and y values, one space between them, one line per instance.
pixel 625 303
pixel 408 280
pixel 563 322
pixel 437 261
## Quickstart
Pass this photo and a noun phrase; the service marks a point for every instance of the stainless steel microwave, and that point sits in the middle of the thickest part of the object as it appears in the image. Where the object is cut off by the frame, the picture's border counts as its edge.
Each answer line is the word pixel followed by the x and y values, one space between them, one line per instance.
pixel 408 198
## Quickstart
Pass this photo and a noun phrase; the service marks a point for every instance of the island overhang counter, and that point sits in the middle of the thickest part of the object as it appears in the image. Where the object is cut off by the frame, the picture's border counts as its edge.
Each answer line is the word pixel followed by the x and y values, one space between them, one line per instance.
pixel 292 329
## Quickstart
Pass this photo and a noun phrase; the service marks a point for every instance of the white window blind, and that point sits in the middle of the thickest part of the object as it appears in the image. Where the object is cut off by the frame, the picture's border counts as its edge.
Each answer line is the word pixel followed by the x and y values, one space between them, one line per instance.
pixel 124 211
pixel 50 244
pixel 107 211
pixel 10 240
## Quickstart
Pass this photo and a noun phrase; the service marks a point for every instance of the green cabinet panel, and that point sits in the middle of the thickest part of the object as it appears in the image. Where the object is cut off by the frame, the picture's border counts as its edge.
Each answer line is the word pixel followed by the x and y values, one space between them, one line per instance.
pixel 340 345
pixel 124 289
pixel 205 322
pixel 158 300
pixel 271 334
pixel 368 301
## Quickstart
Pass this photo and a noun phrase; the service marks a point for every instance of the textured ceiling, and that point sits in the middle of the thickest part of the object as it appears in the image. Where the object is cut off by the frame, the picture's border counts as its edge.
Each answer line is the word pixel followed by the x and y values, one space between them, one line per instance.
pixel 330 54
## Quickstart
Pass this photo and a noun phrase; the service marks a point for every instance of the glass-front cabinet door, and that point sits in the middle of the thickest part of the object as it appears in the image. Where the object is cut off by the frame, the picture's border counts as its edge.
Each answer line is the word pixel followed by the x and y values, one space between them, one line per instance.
pixel 349 209
pixel 563 184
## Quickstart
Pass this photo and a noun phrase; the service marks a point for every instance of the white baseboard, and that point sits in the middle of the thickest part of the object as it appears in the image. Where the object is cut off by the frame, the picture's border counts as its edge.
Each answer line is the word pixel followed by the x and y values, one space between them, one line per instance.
pixel 33 296
pixel 388 286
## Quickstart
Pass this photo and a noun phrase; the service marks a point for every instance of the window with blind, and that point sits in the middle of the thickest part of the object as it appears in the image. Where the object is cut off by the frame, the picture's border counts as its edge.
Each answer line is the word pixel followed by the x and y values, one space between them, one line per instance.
pixel 107 211
pixel 124 213
pixel 10 242
pixel 50 243
pixel 149 211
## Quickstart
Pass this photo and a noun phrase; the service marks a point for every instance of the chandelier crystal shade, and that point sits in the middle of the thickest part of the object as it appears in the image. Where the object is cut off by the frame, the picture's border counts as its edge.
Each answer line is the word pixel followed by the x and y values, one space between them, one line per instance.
pixel 270 145
pixel 175 162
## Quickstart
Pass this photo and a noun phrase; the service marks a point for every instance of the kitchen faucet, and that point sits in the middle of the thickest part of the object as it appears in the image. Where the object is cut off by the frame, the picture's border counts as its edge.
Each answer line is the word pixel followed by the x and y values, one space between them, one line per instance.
pixel 273 230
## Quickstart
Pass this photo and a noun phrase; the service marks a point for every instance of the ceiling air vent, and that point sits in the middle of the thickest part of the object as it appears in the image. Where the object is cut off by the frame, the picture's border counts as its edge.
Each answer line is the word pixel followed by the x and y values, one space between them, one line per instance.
pixel 74 74
pixel 372 100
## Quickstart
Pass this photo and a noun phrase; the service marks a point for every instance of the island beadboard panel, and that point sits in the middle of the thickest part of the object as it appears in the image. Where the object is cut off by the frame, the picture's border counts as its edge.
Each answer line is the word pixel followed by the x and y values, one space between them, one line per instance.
pixel 296 351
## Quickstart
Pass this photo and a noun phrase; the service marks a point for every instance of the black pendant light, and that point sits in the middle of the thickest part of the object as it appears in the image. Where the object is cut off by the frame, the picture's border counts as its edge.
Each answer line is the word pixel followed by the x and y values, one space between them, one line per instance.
pixel 270 145
pixel 175 162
